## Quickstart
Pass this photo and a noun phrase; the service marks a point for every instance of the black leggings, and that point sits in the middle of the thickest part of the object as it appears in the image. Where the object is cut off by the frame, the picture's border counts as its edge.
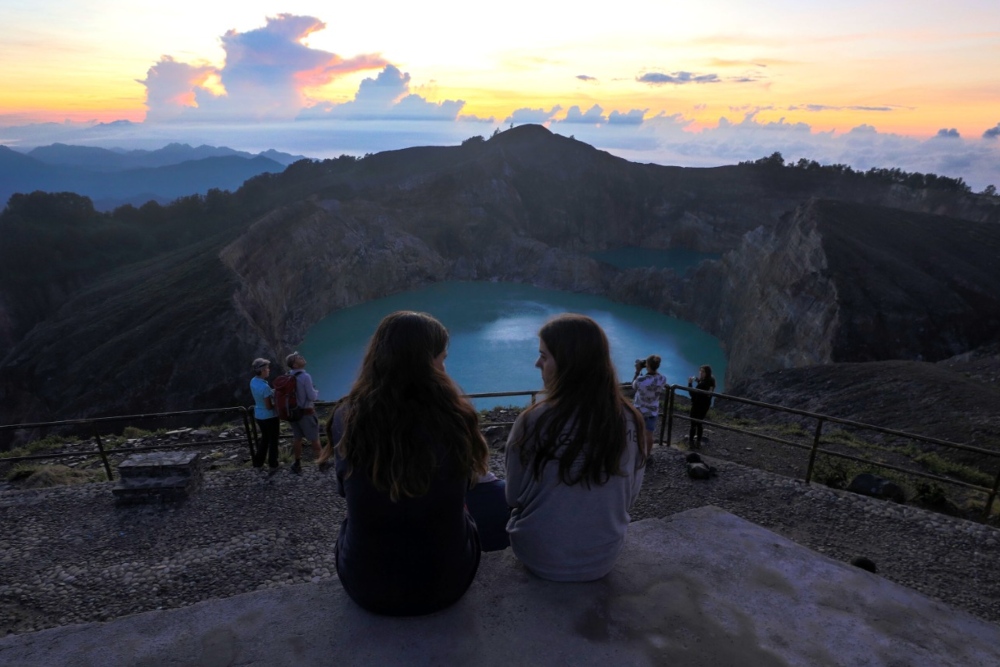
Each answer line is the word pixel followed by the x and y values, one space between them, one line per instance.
pixel 268 444
pixel 697 413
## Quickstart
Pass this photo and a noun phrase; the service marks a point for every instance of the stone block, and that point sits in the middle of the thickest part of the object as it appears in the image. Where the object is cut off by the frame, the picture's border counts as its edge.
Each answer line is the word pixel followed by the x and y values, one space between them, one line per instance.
pixel 158 477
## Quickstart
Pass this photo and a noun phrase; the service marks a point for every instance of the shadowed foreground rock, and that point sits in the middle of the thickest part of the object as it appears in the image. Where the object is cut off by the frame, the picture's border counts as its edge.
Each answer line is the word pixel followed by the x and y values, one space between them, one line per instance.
pixel 702 587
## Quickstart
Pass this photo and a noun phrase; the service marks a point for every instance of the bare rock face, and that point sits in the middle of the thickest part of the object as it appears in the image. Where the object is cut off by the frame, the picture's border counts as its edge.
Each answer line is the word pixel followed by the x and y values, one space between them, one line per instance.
pixel 302 262
pixel 842 282
pixel 771 301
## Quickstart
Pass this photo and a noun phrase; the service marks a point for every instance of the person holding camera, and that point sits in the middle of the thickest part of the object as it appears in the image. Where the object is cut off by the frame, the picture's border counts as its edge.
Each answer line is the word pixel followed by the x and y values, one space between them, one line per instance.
pixel 648 393
pixel 700 403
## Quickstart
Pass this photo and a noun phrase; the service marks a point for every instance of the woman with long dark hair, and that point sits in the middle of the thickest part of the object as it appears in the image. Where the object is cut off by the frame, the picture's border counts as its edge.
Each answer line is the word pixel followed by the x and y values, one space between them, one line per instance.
pixel 406 448
pixel 575 459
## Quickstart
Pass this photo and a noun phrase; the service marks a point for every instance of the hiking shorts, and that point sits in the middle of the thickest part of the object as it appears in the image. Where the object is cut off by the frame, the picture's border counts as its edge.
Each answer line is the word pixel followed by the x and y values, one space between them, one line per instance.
pixel 306 428
pixel 650 423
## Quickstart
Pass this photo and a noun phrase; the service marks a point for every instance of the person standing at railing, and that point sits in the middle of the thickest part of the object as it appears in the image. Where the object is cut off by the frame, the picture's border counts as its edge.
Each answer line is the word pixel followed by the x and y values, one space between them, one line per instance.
pixel 649 389
pixel 265 415
pixel 700 403
pixel 307 427
pixel 575 459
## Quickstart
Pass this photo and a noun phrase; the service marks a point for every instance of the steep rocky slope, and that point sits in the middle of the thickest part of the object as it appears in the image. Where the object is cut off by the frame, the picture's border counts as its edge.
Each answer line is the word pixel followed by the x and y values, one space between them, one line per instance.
pixel 839 281
pixel 941 400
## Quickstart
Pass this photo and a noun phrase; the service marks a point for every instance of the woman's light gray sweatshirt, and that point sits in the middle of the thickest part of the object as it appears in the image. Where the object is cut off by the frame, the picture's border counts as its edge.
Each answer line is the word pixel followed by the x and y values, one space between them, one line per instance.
pixel 569 533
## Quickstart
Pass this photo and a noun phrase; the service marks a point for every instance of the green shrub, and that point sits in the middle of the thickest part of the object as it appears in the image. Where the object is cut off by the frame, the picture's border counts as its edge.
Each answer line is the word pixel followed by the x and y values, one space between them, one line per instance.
pixel 38 476
pixel 942 466
pixel 790 430
pixel 22 471
pixel 838 473
pixel 846 438
pixel 52 443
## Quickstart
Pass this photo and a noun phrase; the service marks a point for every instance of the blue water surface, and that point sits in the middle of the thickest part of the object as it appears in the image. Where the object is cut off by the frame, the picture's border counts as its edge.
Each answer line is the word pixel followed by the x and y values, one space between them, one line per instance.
pixel 493 329
pixel 678 259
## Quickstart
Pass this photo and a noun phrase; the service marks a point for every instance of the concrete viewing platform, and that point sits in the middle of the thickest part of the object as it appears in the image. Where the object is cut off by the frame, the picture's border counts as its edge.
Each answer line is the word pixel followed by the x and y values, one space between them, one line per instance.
pixel 699 588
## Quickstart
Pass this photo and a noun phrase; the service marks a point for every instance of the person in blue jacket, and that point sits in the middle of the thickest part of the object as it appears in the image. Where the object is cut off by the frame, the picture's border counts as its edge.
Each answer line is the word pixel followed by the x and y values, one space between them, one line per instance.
pixel 265 415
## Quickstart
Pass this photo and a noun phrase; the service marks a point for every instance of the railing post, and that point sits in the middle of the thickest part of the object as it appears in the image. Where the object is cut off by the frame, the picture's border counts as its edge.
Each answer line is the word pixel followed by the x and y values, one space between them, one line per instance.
pixel 104 456
pixel 812 452
pixel 668 421
pixel 251 433
pixel 991 498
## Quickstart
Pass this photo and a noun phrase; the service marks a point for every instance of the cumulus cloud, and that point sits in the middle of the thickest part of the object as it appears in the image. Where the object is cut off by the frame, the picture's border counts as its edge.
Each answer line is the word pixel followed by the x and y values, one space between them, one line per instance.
pixel 631 117
pixel 266 75
pixel 526 115
pixel 387 97
pixel 172 87
pixel 948 134
pixel 659 78
pixel 862 129
pixel 992 133
pixel 593 116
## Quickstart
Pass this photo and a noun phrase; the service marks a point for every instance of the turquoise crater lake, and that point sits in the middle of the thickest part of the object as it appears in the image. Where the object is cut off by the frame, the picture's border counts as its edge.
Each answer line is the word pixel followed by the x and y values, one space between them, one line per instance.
pixel 493 329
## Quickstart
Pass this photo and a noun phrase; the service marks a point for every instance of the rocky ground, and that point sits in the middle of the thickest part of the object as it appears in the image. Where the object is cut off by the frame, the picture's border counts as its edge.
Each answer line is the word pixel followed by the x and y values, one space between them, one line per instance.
pixel 70 555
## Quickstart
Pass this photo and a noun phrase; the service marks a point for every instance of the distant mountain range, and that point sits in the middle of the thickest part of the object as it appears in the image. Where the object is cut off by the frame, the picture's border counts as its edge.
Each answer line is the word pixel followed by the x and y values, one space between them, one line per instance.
pixel 112 178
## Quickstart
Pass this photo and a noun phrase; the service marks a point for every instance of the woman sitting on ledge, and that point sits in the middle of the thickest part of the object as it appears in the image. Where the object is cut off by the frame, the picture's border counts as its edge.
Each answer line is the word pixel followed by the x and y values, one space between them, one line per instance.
pixel 406 448
pixel 575 459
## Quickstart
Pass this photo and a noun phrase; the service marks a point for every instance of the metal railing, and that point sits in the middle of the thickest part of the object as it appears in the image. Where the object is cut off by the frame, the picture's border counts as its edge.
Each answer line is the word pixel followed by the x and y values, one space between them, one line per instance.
pixel 670 410
pixel 251 436
pixel 92 422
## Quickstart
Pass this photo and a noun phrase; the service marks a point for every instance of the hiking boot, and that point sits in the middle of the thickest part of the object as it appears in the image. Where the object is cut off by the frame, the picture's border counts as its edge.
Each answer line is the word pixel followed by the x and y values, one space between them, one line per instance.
pixel 297 467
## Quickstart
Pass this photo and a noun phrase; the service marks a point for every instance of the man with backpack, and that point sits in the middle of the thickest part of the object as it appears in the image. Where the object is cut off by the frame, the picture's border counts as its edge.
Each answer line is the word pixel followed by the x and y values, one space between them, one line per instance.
pixel 299 409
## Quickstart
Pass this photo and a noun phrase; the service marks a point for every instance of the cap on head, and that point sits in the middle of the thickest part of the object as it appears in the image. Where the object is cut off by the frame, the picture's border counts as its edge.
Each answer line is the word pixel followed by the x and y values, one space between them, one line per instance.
pixel 260 363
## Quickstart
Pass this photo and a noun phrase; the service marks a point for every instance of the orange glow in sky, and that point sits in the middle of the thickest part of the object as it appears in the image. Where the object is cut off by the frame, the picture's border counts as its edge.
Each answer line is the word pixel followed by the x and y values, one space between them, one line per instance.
pixel 912 68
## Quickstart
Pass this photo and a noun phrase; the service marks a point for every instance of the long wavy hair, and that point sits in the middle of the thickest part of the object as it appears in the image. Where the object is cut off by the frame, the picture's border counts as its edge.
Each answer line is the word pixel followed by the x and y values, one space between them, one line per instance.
pixel 402 404
pixel 585 397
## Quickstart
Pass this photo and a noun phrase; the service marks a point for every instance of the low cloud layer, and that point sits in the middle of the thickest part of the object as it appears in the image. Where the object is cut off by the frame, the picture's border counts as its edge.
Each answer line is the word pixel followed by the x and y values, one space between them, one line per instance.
pixel 663 138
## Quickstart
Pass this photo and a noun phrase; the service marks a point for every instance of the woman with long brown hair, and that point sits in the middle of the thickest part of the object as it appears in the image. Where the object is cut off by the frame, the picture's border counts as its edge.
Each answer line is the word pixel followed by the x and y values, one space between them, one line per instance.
pixel 575 459
pixel 406 448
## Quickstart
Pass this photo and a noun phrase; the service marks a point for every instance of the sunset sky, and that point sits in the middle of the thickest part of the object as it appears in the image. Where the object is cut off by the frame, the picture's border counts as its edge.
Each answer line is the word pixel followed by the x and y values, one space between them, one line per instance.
pixel 913 84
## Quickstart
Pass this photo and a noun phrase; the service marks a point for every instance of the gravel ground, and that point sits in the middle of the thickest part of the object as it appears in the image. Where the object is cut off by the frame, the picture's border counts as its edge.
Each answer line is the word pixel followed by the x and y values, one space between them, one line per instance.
pixel 69 555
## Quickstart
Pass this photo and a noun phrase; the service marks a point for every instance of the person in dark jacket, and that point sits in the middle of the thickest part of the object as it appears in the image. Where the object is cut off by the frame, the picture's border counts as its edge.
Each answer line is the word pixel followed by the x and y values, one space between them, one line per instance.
pixel 700 403
pixel 406 448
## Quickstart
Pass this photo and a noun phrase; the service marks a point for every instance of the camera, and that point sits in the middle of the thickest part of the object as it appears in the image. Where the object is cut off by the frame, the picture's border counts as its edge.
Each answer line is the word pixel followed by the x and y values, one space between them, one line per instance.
pixel 641 363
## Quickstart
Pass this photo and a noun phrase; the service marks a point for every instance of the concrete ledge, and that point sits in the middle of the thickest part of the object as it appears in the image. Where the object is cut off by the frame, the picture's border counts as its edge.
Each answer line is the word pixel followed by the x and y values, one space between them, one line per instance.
pixel 703 587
